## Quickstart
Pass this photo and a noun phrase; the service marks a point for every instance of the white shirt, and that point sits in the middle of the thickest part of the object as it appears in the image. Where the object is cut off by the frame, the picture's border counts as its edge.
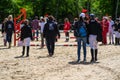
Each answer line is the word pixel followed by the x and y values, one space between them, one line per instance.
pixel 42 24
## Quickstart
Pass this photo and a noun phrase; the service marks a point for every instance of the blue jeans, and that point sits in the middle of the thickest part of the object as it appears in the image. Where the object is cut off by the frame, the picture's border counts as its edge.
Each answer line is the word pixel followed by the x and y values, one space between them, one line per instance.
pixel 9 37
pixel 84 41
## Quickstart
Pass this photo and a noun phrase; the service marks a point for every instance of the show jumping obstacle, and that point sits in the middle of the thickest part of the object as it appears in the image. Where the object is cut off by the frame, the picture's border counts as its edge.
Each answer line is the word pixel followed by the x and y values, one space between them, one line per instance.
pixel 17 22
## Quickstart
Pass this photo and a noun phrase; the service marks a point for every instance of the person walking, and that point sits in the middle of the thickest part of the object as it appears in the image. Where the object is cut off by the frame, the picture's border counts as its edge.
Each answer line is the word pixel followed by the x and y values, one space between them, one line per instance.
pixel 110 30
pixel 93 30
pixel 50 33
pixel 9 29
pixel 81 35
pixel 35 27
pixel 3 30
pixel 42 24
pixel 26 37
pixel 66 28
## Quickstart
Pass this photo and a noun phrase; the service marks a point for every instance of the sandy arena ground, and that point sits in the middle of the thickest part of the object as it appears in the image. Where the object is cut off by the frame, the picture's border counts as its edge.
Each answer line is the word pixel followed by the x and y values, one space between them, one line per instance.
pixel 61 66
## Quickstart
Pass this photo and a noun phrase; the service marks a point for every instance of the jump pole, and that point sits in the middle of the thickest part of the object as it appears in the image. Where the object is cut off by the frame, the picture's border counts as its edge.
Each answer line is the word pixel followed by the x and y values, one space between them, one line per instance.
pixel 17 24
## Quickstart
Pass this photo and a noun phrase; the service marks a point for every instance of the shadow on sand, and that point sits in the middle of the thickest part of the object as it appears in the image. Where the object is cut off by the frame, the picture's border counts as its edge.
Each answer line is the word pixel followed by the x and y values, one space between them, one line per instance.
pixel 3 48
pixel 20 57
pixel 84 63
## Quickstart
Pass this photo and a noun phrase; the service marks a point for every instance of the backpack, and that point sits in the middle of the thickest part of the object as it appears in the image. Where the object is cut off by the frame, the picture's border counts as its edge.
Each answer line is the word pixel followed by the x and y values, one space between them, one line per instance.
pixel 81 30
pixel 51 26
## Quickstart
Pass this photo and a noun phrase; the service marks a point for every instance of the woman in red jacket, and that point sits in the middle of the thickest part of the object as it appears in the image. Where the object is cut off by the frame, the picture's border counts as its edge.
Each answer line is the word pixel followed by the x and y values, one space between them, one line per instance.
pixel 66 29
pixel 105 26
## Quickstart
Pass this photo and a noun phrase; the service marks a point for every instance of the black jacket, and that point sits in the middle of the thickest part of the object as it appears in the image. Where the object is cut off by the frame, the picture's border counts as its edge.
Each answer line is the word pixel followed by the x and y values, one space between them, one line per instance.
pixel 51 30
pixel 116 27
pixel 26 32
pixel 94 28
pixel 9 27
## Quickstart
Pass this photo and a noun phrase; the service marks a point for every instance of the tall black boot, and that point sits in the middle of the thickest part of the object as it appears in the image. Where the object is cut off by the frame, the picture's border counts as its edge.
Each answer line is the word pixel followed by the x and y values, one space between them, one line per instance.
pixel 5 42
pixel 67 39
pixel 96 52
pixel 23 52
pixel 27 51
pixel 116 41
pixel 92 55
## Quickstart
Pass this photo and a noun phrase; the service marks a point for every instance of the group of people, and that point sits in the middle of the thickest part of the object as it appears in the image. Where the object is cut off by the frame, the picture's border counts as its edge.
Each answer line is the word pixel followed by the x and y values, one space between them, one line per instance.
pixel 86 31
pixel 91 31
pixel 96 31
pixel 8 30
pixel 49 32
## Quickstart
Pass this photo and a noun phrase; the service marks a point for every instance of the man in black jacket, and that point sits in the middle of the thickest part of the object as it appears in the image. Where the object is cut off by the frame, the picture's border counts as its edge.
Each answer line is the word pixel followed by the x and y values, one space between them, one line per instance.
pixel 50 32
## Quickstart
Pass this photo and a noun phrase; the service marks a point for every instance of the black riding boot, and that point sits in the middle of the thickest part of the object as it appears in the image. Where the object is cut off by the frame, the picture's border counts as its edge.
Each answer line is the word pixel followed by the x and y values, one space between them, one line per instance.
pixel 92 55
pixel 67 39
pixel 116 41
pixel 27 51
pixel 96 52
pixel 23 52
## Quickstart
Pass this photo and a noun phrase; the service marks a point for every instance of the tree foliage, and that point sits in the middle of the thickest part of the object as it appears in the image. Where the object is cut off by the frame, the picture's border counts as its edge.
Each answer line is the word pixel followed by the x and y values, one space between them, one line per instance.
pixel 58 8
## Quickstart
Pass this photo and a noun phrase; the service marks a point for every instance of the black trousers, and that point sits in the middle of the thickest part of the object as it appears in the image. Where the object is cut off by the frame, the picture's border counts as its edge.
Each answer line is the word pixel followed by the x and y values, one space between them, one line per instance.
pixel 50 42
pixel 67 36
pixel 42 40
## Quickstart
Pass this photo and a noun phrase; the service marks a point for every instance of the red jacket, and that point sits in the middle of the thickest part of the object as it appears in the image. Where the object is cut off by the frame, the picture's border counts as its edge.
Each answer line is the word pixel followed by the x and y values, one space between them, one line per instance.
pixel 67 26
pixel 105 26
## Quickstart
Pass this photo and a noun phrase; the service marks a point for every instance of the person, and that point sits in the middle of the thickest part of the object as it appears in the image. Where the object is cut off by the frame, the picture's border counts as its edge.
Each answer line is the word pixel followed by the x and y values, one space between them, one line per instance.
pixel 93 30
pixel 3 30
pixel 110 30
pixel 105 26
pixel 66 28
pixel 55 21
pixel 75 20
pixel 117 31
pixel 26 37
pixel 42 24
pixel 35 27
pixel 119 34
pixel 80 23
pixel 9 29
pixel 50 33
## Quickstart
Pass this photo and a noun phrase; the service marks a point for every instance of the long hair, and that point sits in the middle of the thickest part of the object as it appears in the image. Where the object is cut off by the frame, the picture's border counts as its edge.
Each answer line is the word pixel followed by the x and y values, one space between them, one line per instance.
pixel 10 17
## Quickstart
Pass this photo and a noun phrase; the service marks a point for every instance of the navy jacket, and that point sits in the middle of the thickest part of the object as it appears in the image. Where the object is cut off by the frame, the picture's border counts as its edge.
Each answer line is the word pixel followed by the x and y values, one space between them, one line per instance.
pixel 94 28
pixel 9 27
pixel 51 30
pixel 26 32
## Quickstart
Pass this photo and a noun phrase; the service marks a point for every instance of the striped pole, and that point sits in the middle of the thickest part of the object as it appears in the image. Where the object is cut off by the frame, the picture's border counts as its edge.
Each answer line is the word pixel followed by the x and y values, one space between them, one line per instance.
pixel 68 37
pixel 56 45
pixel 61 31
pixel 60 37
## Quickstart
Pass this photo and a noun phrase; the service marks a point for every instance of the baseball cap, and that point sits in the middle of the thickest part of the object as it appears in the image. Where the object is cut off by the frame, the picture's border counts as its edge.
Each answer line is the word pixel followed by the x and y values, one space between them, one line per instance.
pixel 82 15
